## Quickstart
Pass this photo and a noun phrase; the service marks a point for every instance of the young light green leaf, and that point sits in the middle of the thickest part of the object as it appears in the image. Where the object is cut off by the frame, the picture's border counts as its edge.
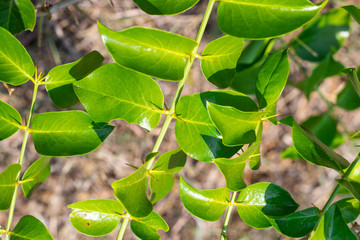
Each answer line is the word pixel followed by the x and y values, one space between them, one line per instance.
pixel 349 208
pixel 153 52
pixel 161 177
pixel 30 228
pixel 272 78
pixel 348 99
pixel 241 18
pixel 261 200
pixel 96 217
pixel 146 228
pixel 131 192
pixel 236 127
pixel 128 95
pixel 10 120
pixel 16 65
pixel 60 78
pixel 333 226
pixel 196 133
pixel 233 169
pixel 153 220
pixel 35 175
pixel 165 7
pixel 271 113
pixel 354 11
pixel 313 150
pixel 8 185
pixel 255 161
pixel 353 78
pixel 352 185
pixel 298 224
pixel 219 59
pixel 249 63
pixel 17 15
pixel 208 205
pixel 326 34
pixel 67 133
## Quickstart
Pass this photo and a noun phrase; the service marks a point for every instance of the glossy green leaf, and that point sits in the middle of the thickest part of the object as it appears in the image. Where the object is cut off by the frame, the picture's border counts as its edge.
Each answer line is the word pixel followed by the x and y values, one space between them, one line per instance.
pixel 131 192
pixel 354 11
pixel 298 224
pixel 60 78
pixel 333 227
pixel 257 19
pixel 348 99
pixel 127 95
pixel 35 175
pixel 165 7
pixel 10 120
pixel 146 228
pixel 271 113
pixel 313 150
pixel 233 169
pixel 67 133
pixel 30 228
pixel 96 217
pixel 7 185
pixel 154 221
pixel 161 175
pixel 326 34
pixel 219 60
pixel 17 15
pixel 249 63
pixel 352 185
pixel 195 132
pixel 353 78
pixel 349 208
pixel 260 199
pixel 236 127
pixel 326 68
pixel 153 52
pixel 16 65
pixel 208 205
pixel 322 126
pixel 255 161
pixel 272 78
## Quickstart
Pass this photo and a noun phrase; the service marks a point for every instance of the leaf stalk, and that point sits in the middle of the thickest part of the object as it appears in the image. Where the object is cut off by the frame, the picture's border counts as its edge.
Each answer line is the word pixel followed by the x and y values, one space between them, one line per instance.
pixel 227 216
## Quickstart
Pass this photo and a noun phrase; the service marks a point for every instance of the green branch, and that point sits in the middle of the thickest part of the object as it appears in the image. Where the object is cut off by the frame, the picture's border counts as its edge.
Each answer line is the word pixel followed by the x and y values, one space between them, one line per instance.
pixel 227 216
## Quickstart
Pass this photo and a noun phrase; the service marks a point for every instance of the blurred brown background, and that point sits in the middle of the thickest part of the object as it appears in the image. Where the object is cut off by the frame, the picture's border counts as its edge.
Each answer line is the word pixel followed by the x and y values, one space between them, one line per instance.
pixel 72 32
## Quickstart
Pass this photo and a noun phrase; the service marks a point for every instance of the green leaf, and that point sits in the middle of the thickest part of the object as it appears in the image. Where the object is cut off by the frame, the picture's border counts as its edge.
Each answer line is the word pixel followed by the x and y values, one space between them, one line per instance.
pixel 255 161
pixel 16 65
pixel 314 151
pixel 348 99
pixel 131 192
pixel 354 11
pixel 36 174
pixel 352 185
pixel 326 68
pixel 249 63
pixel 353 78
pixel 233 169
pixel 236 127
pixel 128 95
pixel 67 133
pixel 208 205
pixel 326 34
pixel 272 78
pixel 262 199
pixel 219 60
pixel 322 126
pixel 10 120
pixel 333 227
pixel 196 133
pixel 271 113
pixel 96 217
pixel 146 228
pixel 60 78
pixel 153 52
pixel 257 19
pixel 8 185
pixel 17 15
pixel 349 208
pixel 298 224
pixel 30 228
pixel 161 175
pixel 165 7
pixel 154 221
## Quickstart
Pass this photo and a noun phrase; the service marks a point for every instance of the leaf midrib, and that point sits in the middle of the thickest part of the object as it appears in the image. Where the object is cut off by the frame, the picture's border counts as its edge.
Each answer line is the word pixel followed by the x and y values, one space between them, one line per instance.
pixel 12 63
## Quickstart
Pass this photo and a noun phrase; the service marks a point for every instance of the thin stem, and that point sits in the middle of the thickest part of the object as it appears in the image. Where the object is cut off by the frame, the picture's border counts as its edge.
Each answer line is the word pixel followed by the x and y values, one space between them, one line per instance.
pixel 21 160
pixel 123 227
pixel 227 216
pixel 336 189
